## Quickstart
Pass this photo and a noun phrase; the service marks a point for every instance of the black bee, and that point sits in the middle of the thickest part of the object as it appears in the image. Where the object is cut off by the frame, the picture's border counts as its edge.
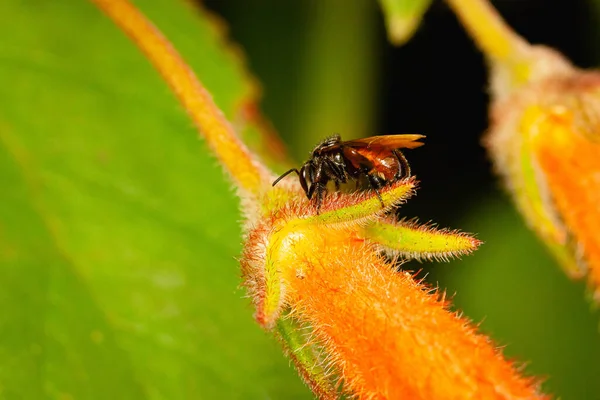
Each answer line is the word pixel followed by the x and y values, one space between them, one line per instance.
pixel 376 159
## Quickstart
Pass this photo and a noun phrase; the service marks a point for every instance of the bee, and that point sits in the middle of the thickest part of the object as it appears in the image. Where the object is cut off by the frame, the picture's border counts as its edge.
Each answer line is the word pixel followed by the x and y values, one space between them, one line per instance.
pixel 376 160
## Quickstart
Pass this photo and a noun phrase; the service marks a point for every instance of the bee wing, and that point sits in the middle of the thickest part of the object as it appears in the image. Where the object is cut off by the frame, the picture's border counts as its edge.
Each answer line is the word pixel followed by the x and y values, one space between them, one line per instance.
pixel 387 141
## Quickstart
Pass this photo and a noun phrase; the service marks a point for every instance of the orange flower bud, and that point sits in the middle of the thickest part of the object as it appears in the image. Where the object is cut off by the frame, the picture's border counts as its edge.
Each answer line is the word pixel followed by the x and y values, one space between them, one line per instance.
pixel 544 138
pixel 349 321
pixel 388 337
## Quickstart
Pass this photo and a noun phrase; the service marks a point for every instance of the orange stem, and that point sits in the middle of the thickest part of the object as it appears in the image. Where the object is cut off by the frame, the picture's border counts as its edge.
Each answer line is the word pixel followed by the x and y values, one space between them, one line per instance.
pixel 247 172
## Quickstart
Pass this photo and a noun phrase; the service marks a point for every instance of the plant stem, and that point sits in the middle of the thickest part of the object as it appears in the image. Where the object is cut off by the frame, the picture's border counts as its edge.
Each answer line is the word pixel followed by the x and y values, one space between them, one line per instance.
pixel 248 173
pixel 493 36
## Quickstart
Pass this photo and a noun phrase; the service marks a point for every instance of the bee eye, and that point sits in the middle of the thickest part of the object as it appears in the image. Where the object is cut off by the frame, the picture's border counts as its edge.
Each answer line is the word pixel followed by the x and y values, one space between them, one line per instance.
pixel 305 172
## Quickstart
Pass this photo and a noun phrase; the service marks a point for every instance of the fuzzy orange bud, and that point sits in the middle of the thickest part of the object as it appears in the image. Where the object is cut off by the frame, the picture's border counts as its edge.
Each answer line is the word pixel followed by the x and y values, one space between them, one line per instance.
pixel 349 321
pixel 545 143
pixel 544 138
pixel 388 337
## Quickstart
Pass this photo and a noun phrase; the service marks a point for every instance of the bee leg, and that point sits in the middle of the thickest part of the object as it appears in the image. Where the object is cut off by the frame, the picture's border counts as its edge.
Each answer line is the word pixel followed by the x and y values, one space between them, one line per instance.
pixel 404 167
pixel 319 200
pixel 311 190
pixel 319 189
pixel 376 183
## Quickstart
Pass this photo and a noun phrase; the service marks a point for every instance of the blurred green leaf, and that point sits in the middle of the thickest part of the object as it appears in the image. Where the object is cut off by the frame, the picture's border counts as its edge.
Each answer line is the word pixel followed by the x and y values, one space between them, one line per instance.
pixel 338 75
pixel 524 300
pixel 402 18
pixel 317 62
pixel 118 232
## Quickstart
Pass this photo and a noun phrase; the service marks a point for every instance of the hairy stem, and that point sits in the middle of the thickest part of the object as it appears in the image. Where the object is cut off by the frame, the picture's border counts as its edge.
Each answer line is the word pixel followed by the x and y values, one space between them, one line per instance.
pixel 247 172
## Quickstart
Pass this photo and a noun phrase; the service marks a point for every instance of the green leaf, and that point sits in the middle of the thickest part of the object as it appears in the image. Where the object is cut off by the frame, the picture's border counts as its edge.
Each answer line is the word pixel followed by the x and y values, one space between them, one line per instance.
pixel 118 231
pixel 402 18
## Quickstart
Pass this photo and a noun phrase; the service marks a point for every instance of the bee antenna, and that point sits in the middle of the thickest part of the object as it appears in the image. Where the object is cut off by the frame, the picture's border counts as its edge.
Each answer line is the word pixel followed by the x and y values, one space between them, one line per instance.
pixel 286 173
